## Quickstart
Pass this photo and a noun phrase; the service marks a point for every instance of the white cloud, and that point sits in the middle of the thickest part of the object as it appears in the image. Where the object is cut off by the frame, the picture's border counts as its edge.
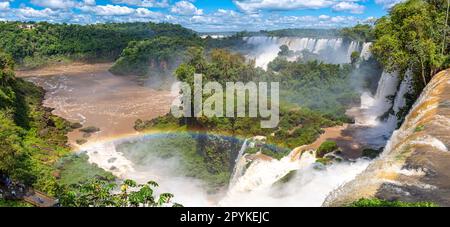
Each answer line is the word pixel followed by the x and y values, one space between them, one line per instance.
pixel 4 6
pixel 185 8
pixel 108 10
pixel 54 4
pixel 324 17
pixel 144 3
pixel 29 13
pixel 349 7
pixel 225 12
pixel 256 5
pixel 145 13
pixel 90 2
pixel 387 4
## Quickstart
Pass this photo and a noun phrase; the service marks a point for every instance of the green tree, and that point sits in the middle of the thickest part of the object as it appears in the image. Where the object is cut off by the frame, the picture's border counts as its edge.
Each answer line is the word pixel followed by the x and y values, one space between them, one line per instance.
pixel 104 194
pixel 410 38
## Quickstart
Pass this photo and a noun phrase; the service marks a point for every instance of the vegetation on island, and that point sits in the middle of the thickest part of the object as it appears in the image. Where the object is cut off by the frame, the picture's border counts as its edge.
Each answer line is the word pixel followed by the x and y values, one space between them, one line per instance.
pixel 413 38
pixel 383 203
pixel 298 126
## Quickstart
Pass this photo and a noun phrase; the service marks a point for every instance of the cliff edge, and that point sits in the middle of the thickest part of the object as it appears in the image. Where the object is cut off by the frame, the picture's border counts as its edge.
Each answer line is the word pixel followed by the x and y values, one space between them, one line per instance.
pixel 415 165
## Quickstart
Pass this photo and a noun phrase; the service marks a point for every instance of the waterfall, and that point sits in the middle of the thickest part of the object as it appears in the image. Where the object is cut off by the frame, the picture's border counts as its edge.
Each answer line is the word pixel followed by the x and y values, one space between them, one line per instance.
pixel 414 163
pixel 105 156
pixel 188 191
pixel 240 164
pixel 352 48
pixel 365 52
pixel 329 50
pixel 308 187
pixel 378 113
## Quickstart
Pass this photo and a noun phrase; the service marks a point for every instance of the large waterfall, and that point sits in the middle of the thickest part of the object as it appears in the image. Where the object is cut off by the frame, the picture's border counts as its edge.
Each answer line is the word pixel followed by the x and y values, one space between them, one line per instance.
pixel 377 115
pixel 258 180
pixel 309 185
pixel 415 162
pixel 331 50
pixel 188 191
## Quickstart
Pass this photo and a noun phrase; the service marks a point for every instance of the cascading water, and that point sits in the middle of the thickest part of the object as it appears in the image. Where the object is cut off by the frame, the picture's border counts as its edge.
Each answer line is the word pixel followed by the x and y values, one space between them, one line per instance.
pixel 415 161
pixel 354 46
pixel 331 50
pixel 188 191
pixel 309 186
pixel 377 115
pixel 365 52
pixel 240 163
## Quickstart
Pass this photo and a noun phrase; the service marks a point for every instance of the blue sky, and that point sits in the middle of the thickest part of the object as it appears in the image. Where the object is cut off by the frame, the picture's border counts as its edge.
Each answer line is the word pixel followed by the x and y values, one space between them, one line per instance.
pixel 202 15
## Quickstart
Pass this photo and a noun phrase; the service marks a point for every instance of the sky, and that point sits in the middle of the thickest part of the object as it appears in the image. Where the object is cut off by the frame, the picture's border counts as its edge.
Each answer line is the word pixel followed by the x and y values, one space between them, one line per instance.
pixel 202 15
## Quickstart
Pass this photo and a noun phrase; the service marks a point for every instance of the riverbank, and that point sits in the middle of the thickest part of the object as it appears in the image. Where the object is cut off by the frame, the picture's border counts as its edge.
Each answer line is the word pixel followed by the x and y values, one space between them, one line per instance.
pixel 74 68
pixel 88 94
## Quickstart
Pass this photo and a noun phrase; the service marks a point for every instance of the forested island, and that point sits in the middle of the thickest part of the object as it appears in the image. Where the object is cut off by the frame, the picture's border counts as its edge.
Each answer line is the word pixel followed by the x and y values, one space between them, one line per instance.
pixel 412 41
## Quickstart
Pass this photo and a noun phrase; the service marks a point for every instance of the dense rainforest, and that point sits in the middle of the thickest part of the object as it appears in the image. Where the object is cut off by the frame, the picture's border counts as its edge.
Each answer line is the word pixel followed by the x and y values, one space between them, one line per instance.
pixel 36 44
pixel 412 37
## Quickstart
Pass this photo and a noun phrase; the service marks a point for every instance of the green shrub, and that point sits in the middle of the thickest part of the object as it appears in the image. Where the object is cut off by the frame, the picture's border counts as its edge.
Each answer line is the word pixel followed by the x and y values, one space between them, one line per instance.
pixel 372 153
pixel 383 203
pixel 419 128
pixel 90 129
pixel 326 147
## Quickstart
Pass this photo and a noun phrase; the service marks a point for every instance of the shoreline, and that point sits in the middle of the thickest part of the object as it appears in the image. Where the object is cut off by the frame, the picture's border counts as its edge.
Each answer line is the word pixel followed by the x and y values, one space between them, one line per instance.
pixel 89 94
pixel 70 69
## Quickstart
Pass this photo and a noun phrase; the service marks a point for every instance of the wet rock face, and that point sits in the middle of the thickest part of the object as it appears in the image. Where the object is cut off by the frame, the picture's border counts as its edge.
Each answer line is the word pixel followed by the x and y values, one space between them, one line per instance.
pixel 415 165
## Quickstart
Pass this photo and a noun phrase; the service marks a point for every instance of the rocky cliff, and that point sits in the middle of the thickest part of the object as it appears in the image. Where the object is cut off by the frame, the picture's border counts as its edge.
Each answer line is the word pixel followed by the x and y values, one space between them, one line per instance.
pixel 415 165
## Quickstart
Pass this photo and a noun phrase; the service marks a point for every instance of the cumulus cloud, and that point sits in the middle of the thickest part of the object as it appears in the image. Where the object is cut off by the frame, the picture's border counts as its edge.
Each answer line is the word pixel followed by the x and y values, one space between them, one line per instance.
pixel 54 4
pixel 28 12
pixel 144 3
pixel 145 13
pixel 256 5
pixel 184 12
pixel 4 6
pixel 185 8
pixel 90 2
pixel 387 4
pixel 108 10
pixel 349 7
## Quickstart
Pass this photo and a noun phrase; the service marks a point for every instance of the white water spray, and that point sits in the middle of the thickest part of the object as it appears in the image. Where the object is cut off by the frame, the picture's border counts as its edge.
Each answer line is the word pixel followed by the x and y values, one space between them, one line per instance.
pixel 308 187
pixel 329 50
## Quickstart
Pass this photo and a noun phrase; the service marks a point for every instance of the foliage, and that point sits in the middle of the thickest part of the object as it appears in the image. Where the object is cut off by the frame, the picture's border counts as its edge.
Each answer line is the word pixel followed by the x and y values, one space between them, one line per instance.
pixel 326 88
pixel 74 169
pixel 326 147
pixel 297 126
pixel 90 129
pixel 412 37
pixel 359 33
pixel 36 44
pixel 372 153
pixel 383 203
pixel 303 32
pixel 194 155
pixel 161 52
pixel 31 138
pixel 13 203
pixel 288 177
pixel 102 194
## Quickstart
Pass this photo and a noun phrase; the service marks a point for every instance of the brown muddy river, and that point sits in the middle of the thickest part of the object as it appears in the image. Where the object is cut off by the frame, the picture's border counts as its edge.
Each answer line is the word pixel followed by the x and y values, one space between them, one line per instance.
pixel 97 98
